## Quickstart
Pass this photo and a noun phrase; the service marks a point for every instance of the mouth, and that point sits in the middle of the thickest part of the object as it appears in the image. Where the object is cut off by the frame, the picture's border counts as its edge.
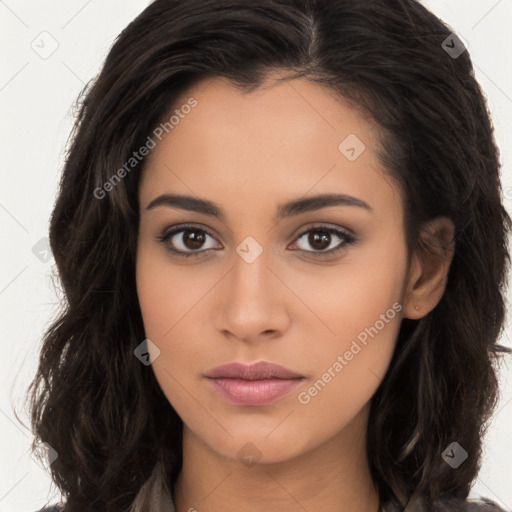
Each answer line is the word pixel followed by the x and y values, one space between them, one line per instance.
pixel 256 384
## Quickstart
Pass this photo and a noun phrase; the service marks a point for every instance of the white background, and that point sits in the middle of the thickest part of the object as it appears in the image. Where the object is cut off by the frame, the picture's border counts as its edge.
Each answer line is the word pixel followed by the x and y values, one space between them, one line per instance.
pixel 36 96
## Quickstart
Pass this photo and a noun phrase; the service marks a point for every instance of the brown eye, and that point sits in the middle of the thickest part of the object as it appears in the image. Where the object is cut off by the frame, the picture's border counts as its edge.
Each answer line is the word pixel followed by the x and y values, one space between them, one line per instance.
pixel 187 241
pixel 193 240
pixel 325 240
pixel 319 239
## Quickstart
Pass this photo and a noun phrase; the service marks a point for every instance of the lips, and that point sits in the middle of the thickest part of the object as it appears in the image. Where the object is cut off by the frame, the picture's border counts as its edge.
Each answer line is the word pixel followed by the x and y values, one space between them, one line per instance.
pixel 253 385
pixel 257 371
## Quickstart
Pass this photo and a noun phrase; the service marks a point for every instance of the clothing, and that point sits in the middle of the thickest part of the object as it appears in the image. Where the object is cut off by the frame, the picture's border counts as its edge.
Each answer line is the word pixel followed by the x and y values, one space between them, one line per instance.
pixel 483 505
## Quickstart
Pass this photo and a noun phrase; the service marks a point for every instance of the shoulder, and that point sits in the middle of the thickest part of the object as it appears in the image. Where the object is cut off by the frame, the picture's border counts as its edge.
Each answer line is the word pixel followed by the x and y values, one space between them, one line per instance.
pixel 452 505
pixel 483 505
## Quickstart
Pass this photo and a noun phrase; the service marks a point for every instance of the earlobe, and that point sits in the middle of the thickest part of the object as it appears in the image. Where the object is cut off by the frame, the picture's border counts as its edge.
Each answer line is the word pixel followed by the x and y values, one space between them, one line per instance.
pixel 429 268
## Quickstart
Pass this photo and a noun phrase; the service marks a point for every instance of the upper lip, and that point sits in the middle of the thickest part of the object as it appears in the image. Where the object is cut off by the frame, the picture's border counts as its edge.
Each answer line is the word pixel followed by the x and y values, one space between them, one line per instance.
pixel 255 371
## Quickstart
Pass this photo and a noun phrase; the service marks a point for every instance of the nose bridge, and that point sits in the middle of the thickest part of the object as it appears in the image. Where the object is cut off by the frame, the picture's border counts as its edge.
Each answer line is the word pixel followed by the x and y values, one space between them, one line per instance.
pixel 250 279
pixel 252 304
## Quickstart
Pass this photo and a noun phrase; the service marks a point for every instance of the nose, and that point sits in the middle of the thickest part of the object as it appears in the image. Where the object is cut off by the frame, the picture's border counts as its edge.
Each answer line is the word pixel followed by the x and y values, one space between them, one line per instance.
pixel 253 301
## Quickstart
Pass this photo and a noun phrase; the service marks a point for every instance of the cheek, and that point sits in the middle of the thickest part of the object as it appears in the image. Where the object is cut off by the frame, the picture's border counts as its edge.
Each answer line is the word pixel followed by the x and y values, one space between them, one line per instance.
pixel 348 368
pixel 360 304
pixel 169 301
pixel 161 300
pixel 352 296
pixel 163 297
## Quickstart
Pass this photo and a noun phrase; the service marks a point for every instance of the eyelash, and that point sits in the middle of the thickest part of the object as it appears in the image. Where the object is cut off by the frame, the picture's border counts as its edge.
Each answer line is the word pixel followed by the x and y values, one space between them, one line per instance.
pixel 346 238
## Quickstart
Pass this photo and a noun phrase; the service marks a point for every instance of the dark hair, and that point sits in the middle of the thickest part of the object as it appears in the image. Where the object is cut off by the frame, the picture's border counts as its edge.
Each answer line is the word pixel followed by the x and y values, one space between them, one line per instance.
pixel 118 439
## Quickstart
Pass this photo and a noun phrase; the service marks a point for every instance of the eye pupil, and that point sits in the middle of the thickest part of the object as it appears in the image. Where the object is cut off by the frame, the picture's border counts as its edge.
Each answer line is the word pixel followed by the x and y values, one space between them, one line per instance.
pixel 319 236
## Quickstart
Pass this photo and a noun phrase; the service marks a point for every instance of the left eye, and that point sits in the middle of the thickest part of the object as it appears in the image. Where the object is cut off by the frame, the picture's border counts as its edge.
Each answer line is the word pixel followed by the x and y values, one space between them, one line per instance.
pixel 190 240
pixel 321 239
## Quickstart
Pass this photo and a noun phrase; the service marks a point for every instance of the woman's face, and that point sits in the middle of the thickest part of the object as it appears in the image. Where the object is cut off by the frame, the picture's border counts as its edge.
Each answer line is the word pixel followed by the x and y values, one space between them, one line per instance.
pixel 266 279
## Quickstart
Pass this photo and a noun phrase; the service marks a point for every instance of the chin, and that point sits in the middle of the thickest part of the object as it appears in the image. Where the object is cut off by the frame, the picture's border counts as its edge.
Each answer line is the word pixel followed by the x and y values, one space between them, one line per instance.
pixel 259 448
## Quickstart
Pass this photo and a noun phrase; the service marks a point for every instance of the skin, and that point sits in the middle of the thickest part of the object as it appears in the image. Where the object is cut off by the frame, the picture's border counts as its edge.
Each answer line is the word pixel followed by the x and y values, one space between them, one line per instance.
pixel 249 153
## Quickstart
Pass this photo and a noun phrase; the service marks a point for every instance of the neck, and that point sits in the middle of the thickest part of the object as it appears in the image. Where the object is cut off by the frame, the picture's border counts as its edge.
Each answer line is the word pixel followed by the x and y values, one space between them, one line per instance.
pixel 332 477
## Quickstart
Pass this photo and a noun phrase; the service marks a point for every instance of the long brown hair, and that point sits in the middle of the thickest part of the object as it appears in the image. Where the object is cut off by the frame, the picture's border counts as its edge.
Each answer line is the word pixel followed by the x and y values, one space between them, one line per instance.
pixel 118 439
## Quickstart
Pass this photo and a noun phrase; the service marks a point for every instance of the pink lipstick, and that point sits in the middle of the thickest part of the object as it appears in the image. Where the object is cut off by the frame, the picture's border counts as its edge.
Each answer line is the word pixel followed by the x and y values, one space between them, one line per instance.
pixel 255 384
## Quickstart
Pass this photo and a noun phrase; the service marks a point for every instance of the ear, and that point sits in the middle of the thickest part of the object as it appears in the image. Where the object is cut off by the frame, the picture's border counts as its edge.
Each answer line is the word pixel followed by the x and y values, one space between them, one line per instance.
pixel 429 267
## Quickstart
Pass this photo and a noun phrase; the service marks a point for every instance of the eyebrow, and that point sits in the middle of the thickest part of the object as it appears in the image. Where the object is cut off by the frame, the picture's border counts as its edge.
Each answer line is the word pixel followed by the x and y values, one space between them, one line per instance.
pixel 288 209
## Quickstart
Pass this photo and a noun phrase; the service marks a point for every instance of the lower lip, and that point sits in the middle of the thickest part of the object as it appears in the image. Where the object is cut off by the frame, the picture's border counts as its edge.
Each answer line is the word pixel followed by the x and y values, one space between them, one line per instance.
pixel 254 392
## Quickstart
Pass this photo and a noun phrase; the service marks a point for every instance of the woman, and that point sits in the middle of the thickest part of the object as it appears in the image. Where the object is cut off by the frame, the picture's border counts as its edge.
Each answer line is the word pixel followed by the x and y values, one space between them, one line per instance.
pixel 280 235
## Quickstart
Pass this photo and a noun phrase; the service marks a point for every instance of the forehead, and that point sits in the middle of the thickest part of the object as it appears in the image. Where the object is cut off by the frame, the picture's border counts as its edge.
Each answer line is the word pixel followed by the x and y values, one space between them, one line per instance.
pixel 281 140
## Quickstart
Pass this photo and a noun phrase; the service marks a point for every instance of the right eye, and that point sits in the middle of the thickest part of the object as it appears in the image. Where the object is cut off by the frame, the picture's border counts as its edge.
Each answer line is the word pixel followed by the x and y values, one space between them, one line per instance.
pixel 185 240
